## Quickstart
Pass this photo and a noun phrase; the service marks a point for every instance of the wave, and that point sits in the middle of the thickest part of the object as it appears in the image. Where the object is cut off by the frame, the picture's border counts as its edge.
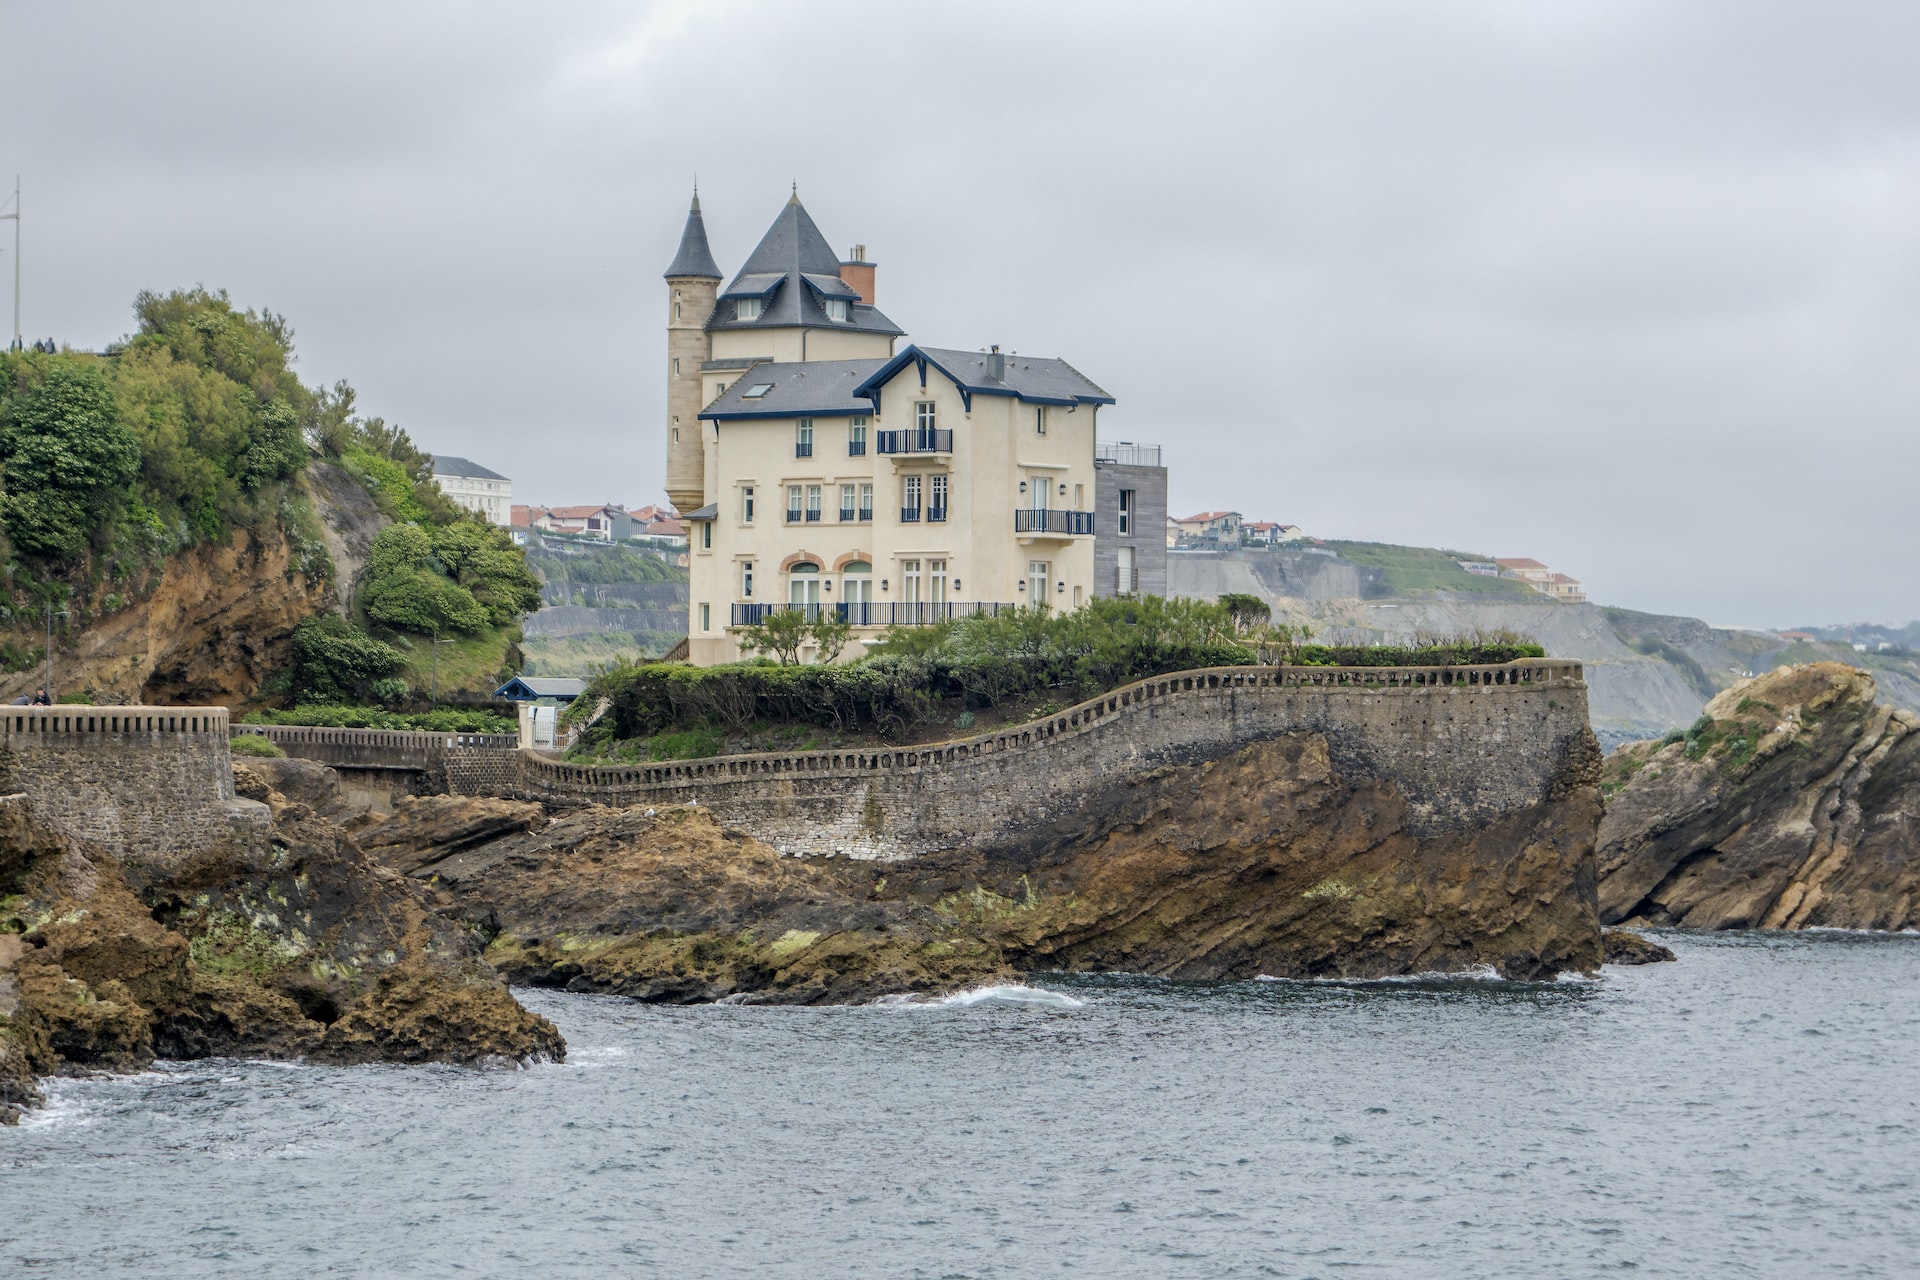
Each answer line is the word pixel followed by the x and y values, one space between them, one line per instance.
pixel 1484 973
pixel 1004 993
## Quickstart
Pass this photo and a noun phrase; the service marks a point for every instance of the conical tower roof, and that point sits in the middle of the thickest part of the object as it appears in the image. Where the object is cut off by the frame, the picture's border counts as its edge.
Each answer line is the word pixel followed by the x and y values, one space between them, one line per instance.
pixel 792 244
pixel 694 258
pixel 794 272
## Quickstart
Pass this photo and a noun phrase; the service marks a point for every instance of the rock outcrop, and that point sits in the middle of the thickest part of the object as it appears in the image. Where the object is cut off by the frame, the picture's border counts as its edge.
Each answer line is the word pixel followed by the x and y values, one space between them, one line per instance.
pixel 1266 861
pixel 1794 802
pixel 295 946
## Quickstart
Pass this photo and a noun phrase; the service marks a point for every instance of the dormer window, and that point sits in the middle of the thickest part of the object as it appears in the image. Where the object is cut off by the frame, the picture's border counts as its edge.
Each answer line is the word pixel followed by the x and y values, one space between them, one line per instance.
pixel 837 309
pixel 746 309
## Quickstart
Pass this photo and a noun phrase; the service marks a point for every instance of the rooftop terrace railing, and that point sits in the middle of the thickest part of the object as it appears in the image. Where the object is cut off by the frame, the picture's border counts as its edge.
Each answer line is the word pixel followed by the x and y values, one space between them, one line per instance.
pixel 1125 453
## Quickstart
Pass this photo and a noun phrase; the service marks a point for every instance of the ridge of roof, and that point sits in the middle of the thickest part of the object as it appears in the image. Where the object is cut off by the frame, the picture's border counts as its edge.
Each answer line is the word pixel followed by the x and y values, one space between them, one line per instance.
pixel 1034 379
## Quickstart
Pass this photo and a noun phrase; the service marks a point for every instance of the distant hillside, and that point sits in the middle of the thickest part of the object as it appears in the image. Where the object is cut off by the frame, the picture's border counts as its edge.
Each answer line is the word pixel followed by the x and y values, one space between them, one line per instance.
pixel 1647 674
pixel 600 601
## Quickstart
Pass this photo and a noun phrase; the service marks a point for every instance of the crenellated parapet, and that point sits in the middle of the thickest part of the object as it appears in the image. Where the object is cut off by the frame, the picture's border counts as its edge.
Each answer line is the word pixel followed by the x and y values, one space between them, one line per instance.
pixel 142 781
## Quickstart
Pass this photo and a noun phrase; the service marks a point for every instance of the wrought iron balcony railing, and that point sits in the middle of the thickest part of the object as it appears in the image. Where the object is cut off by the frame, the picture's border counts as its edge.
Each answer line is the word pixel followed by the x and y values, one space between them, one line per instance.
pixel 1047 520
pixel 916 440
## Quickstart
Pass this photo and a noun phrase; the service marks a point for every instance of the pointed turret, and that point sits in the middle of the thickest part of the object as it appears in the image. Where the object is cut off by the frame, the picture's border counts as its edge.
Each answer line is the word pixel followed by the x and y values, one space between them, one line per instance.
pixel 695 260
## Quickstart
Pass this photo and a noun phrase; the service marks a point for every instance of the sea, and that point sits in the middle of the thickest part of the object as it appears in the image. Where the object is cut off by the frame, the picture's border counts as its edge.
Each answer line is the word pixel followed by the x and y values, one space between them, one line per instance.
pixel 1750 1111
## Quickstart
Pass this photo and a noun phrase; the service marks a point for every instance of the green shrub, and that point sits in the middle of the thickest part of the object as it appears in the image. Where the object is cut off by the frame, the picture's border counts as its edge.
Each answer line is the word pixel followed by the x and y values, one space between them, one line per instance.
pixel 253 744
pixel 439 720
pixel 336 661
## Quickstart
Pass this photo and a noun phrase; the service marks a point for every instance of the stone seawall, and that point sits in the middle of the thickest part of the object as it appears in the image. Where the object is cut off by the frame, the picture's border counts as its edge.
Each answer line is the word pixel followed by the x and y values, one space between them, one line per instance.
pixel 379 766
pixel 1465 746
pixel 143 780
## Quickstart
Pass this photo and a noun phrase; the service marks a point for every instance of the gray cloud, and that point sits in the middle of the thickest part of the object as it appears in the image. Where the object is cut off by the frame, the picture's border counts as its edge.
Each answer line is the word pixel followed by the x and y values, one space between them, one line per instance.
pixel 1629 287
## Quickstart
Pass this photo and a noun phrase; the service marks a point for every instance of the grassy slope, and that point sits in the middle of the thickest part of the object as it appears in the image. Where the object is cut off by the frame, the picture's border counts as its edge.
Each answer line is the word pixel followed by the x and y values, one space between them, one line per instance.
pixel 1416 571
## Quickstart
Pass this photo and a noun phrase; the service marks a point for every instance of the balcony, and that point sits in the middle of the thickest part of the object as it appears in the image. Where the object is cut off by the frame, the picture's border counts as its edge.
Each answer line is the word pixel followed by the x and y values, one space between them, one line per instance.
pixel 866 514
pixel 813 515
pixel 931 440
pixel 803 449
pixel 1125 453
pixel 1043 521
pixel 936 515
pixel 856 448
pixel 877 613
pixel 793 515
pixel 909 515
pixel 846 515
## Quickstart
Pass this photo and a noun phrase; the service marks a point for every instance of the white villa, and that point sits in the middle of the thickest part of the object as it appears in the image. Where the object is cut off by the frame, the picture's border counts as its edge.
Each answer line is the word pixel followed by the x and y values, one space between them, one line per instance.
pixel 475 487
pixel 821 467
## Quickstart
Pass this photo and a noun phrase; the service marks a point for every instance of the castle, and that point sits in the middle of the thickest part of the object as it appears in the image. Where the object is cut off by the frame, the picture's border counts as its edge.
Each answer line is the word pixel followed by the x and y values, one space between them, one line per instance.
pixel 824 466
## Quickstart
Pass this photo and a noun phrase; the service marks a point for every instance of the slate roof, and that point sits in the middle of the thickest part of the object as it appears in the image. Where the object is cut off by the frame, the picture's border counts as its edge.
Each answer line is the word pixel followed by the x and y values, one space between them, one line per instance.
pixel 694 258
pixel 801 388
pixel 527 688
pixel 1030 378
pixel 446 464
pixel 793 268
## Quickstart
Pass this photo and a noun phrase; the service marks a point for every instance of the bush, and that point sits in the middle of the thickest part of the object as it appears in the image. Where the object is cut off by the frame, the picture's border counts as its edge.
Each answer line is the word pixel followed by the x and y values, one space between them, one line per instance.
pixel 336 661
pixel 440 720
pixel 253 744
pixel 406 590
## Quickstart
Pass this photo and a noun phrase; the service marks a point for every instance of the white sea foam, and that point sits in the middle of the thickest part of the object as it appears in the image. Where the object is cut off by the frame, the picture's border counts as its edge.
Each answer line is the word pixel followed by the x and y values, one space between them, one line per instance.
pixel 1479 973
pixel 1012 993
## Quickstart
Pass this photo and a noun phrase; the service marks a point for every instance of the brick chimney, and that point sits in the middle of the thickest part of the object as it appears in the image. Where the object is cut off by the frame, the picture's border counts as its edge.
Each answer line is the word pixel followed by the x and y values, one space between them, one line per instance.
pixel 858 273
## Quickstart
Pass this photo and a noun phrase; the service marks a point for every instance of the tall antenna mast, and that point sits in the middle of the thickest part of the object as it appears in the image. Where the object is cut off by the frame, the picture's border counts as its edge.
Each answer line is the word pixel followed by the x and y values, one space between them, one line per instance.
pixel 15 215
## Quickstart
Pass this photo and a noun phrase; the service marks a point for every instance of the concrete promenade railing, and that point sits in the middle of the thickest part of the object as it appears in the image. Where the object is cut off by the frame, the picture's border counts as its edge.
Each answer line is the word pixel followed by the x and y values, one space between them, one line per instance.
pixel 392 749
pixel 1464 745
pixel 24 726
pixel 1533 674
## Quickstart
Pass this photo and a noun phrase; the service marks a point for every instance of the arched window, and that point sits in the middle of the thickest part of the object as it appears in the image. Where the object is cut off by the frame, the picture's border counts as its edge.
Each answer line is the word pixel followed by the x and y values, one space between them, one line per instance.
pixel 856 592
pixel 803 584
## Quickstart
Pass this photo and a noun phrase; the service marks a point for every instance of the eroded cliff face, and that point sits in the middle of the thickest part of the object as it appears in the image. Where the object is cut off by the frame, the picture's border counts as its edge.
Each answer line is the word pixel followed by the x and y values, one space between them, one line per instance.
pixel 1266 861
pixel 221 618
pixel 1794 804
pixel 297 946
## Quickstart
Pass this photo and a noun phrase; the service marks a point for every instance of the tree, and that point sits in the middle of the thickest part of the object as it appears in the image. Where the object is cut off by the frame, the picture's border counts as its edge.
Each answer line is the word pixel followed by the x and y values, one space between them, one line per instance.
pixel 335 661
pixel 830 632
pixel 781 635
pixel 405 590
pixel 69 461
pixel 1247 613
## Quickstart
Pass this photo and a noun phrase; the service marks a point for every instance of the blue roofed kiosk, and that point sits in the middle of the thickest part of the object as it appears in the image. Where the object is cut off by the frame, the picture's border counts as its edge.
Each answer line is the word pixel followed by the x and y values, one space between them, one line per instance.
pixel 540 699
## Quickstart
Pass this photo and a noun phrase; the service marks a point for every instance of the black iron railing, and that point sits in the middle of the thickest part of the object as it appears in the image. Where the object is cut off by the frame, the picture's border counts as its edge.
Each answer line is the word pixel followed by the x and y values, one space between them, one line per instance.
pixel 910 515
pixel 916 440
pixel 1047 520
pixel 936 515
pixel 877 613
pixel 803 449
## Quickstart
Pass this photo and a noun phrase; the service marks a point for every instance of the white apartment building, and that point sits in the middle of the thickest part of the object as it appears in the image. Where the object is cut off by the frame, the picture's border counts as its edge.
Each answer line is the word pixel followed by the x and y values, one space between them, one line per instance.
pixel 475 487
pixel 836 473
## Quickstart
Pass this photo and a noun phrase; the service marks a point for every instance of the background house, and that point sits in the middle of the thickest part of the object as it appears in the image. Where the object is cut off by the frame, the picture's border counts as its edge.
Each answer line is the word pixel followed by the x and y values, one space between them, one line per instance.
pixel 474 487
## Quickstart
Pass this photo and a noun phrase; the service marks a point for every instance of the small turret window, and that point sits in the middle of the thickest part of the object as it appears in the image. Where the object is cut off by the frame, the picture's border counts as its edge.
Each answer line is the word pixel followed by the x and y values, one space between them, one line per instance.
pixel 746 309
pixel 837 309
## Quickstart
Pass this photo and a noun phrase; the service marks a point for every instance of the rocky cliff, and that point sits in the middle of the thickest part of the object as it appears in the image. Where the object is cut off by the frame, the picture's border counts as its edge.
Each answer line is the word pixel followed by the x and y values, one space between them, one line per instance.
pixel 1268 860
pixel 1794 802
pixel 294 946
pixel 219 619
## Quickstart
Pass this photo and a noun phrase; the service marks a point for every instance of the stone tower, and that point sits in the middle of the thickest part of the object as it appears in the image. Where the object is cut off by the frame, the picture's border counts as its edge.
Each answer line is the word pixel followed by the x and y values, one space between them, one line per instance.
pixel 693 282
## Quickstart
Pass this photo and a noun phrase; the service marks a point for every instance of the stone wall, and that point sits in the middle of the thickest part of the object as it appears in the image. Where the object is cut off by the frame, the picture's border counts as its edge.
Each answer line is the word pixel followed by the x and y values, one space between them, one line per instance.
pixel 1464 745
pixel 378 767
pixel 140 780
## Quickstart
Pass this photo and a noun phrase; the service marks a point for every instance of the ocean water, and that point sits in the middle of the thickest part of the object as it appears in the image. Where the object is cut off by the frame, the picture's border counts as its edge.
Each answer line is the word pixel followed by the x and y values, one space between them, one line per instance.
pixel 1753 1110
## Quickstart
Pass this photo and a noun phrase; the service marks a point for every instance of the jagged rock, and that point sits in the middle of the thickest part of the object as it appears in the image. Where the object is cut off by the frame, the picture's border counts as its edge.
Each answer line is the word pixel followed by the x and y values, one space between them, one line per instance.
pixel 1265 862
pixel 296 946
pixel 422 830
pixel 1624 946
pixel 1793 803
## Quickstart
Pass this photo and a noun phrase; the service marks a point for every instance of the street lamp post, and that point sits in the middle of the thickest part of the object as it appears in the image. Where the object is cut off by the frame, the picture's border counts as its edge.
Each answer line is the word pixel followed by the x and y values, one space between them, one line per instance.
pixel 52 613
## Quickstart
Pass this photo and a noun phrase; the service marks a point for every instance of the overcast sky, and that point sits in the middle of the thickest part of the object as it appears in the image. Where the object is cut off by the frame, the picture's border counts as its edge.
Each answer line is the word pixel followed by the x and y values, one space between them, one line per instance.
pixel 1632 288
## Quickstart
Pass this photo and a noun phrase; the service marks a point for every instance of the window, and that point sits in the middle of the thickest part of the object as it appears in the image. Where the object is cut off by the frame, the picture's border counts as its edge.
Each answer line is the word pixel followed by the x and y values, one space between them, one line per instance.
pixel 923 417
pixel 746 504
pixel 910 581
pixel 676 311
pixel 746 309
pixel 846 502
pixel 746 578
pixel 1037 491
pixel 793 504
pixel 1124 582
pixel 1040 419
pixel 910 498
pixel 937 497
pixel 857 438
pixel 813 504
pixel 803 586
pixel 754 392
pixel 706 535
pixel 866 502
pixel 1037 574
pixel 936 582
pixel 1080 497
pixel 676 435
pixel 1126 513
pixel 856 592
pixel 837 309
pixel 803 439
pixel 706 617
pixel 676 366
